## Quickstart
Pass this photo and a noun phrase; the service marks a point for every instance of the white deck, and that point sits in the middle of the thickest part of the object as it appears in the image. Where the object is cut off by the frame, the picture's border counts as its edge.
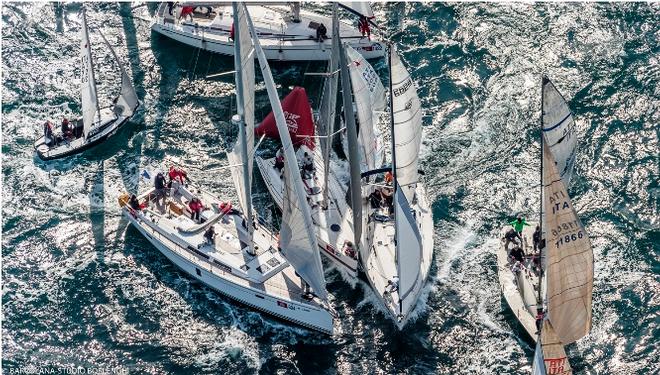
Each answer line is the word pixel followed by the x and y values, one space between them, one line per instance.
pixel 265 281
pixel 280 38
pixel 519 288
pixel 334 225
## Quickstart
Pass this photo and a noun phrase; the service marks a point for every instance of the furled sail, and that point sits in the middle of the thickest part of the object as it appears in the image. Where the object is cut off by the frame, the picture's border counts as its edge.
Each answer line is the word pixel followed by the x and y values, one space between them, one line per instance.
pixel 559 130
pixel 298 115
pixel 553 359
pixel 297 237
pixel 242 153
pixel 361 8
pixel 370 101
pixel 408 252
pixel 407 113
pixel 127 102
pixel 569 271
pixel 90 106
pixel 328 108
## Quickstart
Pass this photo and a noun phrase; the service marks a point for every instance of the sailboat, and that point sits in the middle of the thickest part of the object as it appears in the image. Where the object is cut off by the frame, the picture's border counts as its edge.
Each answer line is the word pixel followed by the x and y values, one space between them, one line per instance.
pixel 286 32
pixel 97 123
pixel 396 248
pixel 550 291
pixel 229 248
pixel 331 215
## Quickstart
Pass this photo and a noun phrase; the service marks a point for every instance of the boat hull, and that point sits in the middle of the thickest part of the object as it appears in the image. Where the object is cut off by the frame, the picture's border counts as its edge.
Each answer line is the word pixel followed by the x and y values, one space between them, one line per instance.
pixel 305 315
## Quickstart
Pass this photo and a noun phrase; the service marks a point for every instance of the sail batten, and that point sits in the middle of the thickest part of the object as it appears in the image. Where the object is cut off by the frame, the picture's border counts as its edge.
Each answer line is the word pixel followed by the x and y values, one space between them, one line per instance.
pixel 297 236
pixel 90 104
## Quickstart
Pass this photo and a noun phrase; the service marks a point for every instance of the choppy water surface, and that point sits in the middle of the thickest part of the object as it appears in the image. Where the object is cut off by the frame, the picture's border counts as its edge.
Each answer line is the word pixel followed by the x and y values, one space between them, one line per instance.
pixel 82 288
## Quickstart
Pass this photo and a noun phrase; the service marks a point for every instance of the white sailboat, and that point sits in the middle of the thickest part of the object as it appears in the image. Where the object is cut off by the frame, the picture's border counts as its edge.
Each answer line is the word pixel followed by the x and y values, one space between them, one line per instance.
pixel 231 251
pixel 285 32
pixel 97 123
pixel 332 217
pixel 558 294
pixel 397 246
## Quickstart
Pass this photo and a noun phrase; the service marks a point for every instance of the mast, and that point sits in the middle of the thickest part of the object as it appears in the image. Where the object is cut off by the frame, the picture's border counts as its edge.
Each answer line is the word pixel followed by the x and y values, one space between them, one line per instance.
pixel 539 307
pixel 353 154
pixel 91 65
pixel 389 65
pixel 242 136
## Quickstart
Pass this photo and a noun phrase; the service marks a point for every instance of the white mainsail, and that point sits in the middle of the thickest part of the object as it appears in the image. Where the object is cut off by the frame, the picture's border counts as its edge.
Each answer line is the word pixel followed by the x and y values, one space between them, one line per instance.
pixel 550 357
pixel 559 130
pixel 407 113
pixel 408 252
pixel 370 101
pixel 243 150
pixel 87 82
pixel 569 257
pixel 127 101
pixel 297 237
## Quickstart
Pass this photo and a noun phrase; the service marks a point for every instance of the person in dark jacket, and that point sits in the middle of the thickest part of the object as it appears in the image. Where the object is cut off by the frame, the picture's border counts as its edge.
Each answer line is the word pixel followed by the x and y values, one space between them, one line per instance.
pixel 134 203
pixel 48 133
pixel 209 235
pixel 321 33
pixel 510 236
pixel 159 184
pixel 518 254
pixel 536 238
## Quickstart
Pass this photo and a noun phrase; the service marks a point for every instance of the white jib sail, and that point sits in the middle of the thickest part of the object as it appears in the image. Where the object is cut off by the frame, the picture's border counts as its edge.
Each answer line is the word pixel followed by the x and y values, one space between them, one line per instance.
pixel 127 101
pixel 407 112
pixel 553 356
pixel 243 150
pixel 297 237
pixel 370 101
pixel 570 260
pixel 87 83
pixel 559 130
pixel 360 7
pixel 408 252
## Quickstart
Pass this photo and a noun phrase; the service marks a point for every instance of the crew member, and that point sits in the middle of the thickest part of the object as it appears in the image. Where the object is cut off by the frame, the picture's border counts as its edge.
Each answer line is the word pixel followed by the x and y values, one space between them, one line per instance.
pixel 66 129
pixel 518 225
pixel 48 132
pixel 536 238
pixel 159 185
pixel 321 33
pixel 510 236
pixel 363 26
pixel 196 207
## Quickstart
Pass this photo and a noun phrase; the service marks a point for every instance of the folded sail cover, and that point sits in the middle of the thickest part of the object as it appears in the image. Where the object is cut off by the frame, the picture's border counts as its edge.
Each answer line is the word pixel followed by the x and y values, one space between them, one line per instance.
pixel 298 115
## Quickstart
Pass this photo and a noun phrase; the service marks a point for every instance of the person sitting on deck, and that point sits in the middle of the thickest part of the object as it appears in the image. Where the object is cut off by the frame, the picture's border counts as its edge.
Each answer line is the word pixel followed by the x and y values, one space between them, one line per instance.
pixel 134 203
pixel 196 207
pixel 48 132
pixel 279 160
pixel 209 235
pixel 388 195
pixel 536 238
pixel 66 129
pixel 510 236
pixel 389 178
pixel 307 166
pixel 363 27
pixel 517 254
pixel 392 285
pixel 376 199
pixel 321 33
pixel 517 267
pixel 518 225
pixel 349 250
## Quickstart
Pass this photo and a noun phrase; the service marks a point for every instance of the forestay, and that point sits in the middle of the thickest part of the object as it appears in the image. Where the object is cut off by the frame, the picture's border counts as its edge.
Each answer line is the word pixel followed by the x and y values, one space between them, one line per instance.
pixel 408 252
pixel 407 113
pixel 559 129
pixel 127 101
pixel 87 82
pixel 297 237
pixel 552 355
pixel 242 153
pixel 569 257
pixel 370 102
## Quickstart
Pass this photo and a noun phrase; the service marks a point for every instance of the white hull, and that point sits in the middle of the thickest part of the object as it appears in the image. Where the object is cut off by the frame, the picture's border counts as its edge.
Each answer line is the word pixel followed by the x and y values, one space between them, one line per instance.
pixel 518 288
pixel 380 266
pixel 278 295
pixel 282 40
pixel 334 225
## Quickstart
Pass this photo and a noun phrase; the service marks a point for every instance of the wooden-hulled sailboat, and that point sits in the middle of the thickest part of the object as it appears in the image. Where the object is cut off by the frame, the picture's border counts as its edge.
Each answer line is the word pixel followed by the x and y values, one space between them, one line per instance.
pixel 97 123
pixel 331 215
pixel 396 248
pixel 235 252
pixel 286 32
pixel 560 303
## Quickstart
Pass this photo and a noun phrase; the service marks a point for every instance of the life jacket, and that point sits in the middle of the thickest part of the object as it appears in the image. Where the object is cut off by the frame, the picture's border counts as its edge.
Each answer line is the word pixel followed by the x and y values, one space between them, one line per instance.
pixel 225 207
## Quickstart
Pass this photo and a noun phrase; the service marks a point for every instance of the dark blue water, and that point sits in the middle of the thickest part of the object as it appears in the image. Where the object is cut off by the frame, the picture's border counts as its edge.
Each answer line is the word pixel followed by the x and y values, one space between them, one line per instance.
pixel 81 288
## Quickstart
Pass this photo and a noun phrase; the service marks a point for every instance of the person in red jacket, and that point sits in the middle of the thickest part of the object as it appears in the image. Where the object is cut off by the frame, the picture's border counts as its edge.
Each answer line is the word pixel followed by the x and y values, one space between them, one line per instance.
pixel 196 207
pixel 185 12
pixel 363 26
pixel 175 174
